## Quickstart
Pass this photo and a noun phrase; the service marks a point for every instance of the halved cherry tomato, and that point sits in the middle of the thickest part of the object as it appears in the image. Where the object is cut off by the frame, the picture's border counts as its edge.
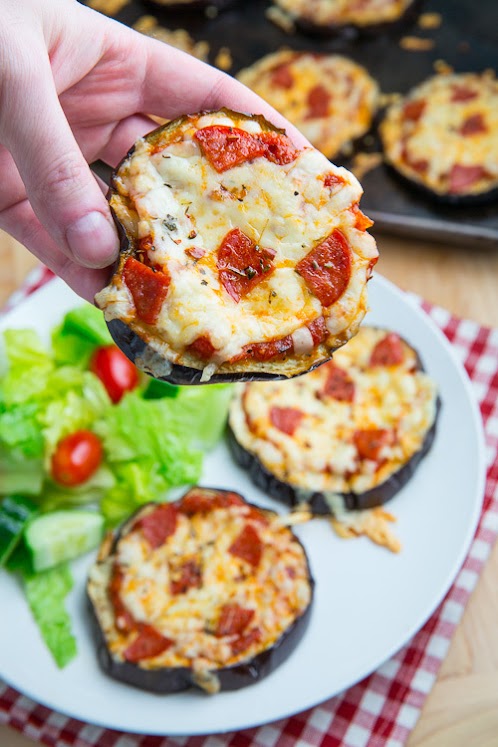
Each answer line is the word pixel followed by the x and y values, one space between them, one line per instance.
pixel 116 372
pixel 76 458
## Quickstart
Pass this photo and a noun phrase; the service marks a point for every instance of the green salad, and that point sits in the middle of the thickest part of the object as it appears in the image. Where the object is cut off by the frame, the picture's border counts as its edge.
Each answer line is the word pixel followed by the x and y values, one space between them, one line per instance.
pixel 84 440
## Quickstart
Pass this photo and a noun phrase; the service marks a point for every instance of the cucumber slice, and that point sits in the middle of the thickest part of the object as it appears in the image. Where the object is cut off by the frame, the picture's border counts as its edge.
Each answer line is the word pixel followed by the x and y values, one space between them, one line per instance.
pixel 62 535
pixel 15 513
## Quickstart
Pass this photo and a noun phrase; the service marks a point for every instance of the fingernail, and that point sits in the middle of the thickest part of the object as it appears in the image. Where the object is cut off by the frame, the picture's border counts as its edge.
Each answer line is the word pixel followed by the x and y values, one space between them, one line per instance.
pixel 93 241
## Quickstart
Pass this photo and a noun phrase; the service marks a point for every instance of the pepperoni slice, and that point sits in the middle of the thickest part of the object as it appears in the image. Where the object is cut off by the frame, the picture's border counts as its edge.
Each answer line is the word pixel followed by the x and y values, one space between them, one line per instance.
pixel 247 546
pixel 233 620
pixel 203 501
pixel 123 619
pixel 462 93
pixel 333 180
pixel 318 102
pixel 462 177
pixel 413 110
pixel 159 524
pixel 282 77
pixel 318 330
pixel 242 264
pixel 420 165
pixel 189 576
pixel 327 268
pixel 388 351
pixel 226 147
pixel 148 643
pixel 202 347
pixel 148 289
pixel 278 147
pixel 265 351
pixel 286 419
pixel 338 384
pixel 370 442
pixel 243 642
pixel 473 125
pixel 362 221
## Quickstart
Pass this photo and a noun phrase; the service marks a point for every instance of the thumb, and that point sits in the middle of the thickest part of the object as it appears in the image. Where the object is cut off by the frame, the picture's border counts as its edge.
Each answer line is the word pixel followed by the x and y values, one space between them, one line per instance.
pixel 59 183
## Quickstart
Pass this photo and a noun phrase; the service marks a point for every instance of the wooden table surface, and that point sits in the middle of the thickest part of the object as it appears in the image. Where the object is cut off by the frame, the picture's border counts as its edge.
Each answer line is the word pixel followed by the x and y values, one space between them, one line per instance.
pixel 462 709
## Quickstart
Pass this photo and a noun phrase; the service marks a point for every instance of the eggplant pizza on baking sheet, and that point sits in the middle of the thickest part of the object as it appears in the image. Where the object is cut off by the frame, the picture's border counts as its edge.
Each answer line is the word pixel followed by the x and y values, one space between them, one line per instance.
pixel 398 44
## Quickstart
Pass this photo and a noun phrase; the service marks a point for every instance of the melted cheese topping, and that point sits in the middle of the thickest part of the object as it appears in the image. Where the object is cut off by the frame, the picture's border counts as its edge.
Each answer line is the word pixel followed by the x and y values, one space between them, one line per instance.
pixel 172 194
pixel 456 126
pixel 348 95
pixel 322 454
pixel 373 523
pixel 278 590
pixel 344 12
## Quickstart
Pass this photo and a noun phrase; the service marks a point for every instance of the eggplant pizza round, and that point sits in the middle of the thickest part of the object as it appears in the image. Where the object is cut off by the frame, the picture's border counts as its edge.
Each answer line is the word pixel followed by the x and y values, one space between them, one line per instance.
pixel 243 256
pixel 352 15
pixel 209 591
pixel 346 436
pixel 443 136
pixel 330 98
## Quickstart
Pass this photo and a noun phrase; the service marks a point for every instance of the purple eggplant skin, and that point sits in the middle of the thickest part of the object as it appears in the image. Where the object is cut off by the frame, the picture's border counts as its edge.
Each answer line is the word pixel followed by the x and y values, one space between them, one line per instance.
pixel 449 200
pixel 177 679
pixel 174 680
pixel 286 493
pixel 135 348
pixel 352 32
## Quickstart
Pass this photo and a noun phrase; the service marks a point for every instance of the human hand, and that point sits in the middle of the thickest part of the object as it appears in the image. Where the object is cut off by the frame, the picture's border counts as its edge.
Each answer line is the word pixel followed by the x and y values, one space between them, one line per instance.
pixel 76 87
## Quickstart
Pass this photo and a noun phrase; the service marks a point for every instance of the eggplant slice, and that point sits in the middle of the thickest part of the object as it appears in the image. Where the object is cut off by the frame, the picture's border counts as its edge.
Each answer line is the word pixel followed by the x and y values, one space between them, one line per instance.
pixel 243 257
pixel 346 436
pixel 442 140
pixel 209 592
pixel 344 18
pixel 331 99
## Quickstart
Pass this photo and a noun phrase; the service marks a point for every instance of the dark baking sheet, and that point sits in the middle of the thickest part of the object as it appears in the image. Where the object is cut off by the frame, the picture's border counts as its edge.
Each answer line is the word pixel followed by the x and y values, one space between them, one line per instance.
pixel 467 39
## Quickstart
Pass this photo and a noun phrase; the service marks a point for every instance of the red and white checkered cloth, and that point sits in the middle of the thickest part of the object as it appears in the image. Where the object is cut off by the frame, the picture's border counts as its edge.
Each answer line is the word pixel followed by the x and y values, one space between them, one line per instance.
pixel 381 710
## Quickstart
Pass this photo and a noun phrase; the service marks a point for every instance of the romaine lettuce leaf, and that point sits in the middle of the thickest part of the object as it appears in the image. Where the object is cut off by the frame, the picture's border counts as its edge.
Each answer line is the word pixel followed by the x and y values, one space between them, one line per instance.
pixel 148 447
pixel 81 331
pixel 29 365
pixel 78 398
pixel 20 431
pixel 87 322
pixel 136 483
pixel 54 497
pixel 46 593
pixel 203 410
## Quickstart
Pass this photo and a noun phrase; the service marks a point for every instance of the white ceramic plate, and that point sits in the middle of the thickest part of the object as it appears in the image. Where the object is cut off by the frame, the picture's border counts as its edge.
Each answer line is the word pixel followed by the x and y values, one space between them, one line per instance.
pixel 368 602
